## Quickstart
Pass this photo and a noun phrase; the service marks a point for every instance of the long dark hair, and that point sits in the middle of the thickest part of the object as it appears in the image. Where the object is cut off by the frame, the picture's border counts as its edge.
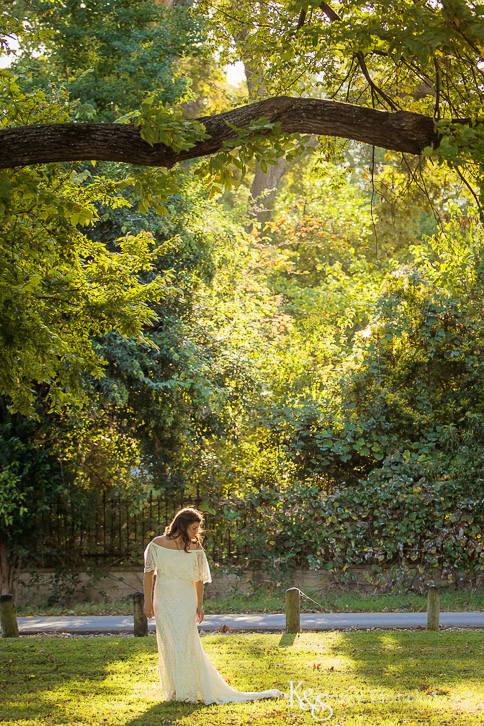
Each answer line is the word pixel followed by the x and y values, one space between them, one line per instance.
pixel 178 526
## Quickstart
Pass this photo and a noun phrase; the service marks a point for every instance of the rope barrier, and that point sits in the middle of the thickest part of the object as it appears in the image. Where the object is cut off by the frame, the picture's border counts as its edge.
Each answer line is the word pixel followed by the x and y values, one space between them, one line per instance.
pixel 303 594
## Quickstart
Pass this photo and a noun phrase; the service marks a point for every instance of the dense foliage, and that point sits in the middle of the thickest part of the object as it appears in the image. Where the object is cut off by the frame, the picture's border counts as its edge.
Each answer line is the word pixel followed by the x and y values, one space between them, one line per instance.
pixel 318 378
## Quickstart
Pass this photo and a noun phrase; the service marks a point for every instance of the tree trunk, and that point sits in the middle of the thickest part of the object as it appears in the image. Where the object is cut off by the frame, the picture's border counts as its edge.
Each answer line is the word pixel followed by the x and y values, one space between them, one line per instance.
pixel 6 570
pixel 264 189
pixel 264 185
pixel 8 617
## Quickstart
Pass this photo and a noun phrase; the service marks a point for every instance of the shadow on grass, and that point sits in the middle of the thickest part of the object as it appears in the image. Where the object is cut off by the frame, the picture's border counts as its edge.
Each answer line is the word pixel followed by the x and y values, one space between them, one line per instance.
pixel 53 680
pixel 416 660
pixel 50 681
pixel 287 640
pixel 34 670
pixel 166 712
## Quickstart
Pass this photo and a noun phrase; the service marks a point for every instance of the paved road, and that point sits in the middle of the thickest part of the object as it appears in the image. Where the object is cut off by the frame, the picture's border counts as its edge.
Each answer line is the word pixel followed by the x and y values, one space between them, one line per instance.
pixel 254 621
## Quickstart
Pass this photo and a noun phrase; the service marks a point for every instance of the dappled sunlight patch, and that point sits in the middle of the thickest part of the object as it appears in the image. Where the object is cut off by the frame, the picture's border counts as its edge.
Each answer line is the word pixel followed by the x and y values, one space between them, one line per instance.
pixel 464 701
pixel 365 677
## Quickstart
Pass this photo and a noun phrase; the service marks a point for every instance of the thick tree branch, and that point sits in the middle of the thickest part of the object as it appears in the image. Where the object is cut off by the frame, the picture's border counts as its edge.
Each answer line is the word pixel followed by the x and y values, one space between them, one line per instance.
pixel 398 131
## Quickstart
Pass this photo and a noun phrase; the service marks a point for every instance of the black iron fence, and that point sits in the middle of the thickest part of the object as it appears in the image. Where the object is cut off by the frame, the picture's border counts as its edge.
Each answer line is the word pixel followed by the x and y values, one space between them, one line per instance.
pixel 109 531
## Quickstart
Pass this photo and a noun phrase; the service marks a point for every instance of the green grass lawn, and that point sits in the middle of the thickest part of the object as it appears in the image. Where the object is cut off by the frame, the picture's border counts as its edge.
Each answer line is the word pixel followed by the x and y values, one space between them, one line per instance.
pixel 373 677
pixel 270 598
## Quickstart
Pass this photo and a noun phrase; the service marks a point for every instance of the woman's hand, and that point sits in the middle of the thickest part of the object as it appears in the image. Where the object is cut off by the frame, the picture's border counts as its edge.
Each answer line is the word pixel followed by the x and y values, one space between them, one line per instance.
pixel 200 613
pixel 148 609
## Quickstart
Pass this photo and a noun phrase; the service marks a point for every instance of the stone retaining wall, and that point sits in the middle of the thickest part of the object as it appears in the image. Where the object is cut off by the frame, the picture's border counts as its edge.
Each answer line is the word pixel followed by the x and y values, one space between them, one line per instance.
pixel 32 588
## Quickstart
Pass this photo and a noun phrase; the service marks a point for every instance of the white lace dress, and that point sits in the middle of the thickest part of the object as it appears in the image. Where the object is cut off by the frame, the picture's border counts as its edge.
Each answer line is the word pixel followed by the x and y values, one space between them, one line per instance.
pixel 186 673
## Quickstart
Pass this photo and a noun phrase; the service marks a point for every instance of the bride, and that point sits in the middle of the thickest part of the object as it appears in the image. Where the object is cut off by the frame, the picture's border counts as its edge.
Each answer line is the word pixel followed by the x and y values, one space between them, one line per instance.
pixel 180 564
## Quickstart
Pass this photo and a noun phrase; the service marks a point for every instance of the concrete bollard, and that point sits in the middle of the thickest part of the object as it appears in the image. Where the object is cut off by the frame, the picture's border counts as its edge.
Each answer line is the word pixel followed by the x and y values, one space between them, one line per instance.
pixel 293 617
pixel 433 608
pixel 139 618
pixel 8 617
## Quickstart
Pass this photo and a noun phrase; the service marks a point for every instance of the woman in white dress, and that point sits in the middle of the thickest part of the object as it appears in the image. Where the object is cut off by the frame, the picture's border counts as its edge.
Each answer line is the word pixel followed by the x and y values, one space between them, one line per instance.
pixel 180 564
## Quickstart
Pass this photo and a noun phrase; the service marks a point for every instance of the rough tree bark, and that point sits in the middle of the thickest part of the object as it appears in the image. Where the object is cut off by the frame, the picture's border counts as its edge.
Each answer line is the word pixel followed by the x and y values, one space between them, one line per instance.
pixel 7 571
pixel 38 144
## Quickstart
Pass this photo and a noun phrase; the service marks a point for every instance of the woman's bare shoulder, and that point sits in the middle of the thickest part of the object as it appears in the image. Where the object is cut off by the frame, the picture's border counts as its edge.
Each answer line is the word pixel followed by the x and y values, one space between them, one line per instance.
pixel 162 539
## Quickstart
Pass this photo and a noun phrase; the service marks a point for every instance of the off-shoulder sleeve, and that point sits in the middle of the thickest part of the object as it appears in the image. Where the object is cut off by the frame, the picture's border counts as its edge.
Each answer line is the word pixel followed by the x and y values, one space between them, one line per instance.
pixel 201 570
pixel 150 564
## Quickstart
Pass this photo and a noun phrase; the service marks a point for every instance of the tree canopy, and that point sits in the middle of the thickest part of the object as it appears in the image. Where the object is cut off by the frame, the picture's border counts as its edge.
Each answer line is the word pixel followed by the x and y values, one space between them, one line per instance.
pixel 419 58
pixel 314 366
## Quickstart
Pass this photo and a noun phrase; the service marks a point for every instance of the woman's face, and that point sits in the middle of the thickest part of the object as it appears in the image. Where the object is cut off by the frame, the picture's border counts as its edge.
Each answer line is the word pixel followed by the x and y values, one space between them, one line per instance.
pixel 192 529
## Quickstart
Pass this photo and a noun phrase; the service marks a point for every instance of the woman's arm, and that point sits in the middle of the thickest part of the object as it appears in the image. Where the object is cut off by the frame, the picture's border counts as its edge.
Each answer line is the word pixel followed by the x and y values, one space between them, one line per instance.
pixel 199 592
pixel 148 593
